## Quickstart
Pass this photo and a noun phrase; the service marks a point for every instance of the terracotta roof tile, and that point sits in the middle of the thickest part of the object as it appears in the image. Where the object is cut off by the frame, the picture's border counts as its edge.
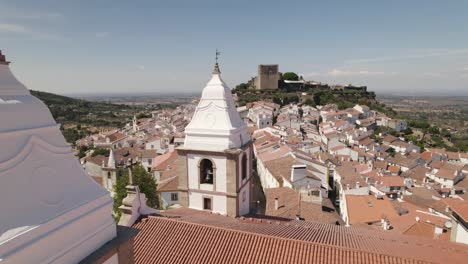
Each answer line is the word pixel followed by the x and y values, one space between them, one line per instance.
pixel 198 237
pixel 288 201
pixel 368 209
pixel 281 168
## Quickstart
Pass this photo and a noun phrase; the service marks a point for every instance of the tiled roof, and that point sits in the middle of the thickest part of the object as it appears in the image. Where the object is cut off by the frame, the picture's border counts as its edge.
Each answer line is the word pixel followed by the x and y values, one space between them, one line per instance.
pixel 423 229
pixel 446 173
pixel 461 208
pixel 116 136
pixel 422 197
pixel 368 209
pixel 380 165
pixel 416 173
pixel 169 185
pixel 426 156
pixel 199 237
pixel 409 214
pixel 98 159
pixel 281 168
pixel 288 201
pixel 389 139
pixel 274 152
pixel 161 162
pixel 392 181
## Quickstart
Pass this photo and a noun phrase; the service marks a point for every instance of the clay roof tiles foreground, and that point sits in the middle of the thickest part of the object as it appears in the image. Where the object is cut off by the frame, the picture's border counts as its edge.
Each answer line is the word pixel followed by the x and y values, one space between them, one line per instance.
pixel 170 241
pixel 191 236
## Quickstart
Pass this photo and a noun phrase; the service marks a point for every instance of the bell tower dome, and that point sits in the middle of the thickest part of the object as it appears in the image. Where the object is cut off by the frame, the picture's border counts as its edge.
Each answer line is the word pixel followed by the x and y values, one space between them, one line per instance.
pixel 51 210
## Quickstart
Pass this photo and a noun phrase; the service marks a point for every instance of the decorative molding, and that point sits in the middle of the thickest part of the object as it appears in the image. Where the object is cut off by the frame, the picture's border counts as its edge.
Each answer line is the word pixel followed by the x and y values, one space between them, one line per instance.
pixel 31 143
pixel 28 130
pixel 9 101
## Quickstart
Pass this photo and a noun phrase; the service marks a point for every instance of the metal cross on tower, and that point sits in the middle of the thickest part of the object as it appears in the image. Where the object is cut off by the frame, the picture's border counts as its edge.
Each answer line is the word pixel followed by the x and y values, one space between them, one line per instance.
pixel 217 54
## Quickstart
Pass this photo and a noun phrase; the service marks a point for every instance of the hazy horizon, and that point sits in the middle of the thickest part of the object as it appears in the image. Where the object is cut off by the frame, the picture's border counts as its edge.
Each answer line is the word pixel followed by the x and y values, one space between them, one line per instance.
pixel 409 48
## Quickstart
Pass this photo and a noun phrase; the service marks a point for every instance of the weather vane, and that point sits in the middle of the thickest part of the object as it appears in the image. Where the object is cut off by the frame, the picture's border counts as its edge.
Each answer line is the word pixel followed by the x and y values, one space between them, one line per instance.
pixel 217 54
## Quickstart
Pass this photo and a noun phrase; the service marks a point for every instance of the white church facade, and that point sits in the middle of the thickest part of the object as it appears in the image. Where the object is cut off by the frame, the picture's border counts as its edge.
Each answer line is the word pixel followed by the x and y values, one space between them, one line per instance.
pixel 216 158
pixel 51 211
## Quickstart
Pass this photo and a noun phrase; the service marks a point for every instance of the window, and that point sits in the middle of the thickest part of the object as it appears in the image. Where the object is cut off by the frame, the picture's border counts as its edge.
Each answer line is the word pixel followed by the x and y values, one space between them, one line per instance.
pixel 206 171
pixel 206 203
pixel 243 196
pixel 174 196
pixel 244 166
pixel 108 175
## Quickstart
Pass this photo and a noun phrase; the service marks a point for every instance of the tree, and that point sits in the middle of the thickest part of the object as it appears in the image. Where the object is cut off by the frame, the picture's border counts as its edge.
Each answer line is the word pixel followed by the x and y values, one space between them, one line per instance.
pixel 143 180
pixel 100 151
pixel 407 131
pixel 290 76
pixel 391 151
pixel 143 115
pixel 82 151
pixel 434 130
pixel 310 102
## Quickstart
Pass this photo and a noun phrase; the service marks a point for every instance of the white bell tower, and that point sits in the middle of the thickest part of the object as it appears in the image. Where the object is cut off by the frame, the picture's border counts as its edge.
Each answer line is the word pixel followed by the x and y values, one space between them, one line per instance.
pixel 217 154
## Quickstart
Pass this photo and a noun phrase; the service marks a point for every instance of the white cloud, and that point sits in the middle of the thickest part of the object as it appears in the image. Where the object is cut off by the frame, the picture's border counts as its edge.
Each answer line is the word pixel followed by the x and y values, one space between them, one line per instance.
pixel 141 67
pixel 10 13
pixel 12 28
pixel 338 72
pixel 432 74
pixel 310 74
pixel 7 28
pixel 102 34
pixel 417 54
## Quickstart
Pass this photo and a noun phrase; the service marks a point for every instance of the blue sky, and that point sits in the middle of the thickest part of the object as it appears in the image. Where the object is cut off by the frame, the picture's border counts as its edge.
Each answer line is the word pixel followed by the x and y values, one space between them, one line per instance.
pixel 111 46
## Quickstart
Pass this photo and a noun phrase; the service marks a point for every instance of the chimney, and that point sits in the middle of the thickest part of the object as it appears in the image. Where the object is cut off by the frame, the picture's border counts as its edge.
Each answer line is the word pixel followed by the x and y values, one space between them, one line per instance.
pixel 276 203
pixel 417 218
pixel 358 185
pixel 385 224
pixel 367 179
pixel 348 187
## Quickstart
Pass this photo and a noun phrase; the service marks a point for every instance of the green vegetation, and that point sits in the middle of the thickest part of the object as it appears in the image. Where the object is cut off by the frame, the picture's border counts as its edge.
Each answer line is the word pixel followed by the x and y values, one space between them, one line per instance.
pixel 143 180
pixel 73 134
pixel 100 151
pixel 391 152
pixel 143 115
pixel 80 118
pixel 65 109
pixel 290 76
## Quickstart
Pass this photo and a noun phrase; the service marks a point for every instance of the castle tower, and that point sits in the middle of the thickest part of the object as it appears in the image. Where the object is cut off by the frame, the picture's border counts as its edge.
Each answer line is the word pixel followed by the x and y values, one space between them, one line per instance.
pixel 216 159
pixel 51 211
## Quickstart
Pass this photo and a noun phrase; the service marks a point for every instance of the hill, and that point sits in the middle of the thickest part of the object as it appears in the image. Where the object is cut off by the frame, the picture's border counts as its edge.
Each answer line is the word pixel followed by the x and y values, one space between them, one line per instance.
pixel 79 118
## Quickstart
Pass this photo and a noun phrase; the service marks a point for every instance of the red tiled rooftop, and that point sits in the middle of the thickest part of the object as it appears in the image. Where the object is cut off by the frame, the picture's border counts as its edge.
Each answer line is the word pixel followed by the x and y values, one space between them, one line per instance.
pixel 392 181
pixel 368 209
pixel 199 237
